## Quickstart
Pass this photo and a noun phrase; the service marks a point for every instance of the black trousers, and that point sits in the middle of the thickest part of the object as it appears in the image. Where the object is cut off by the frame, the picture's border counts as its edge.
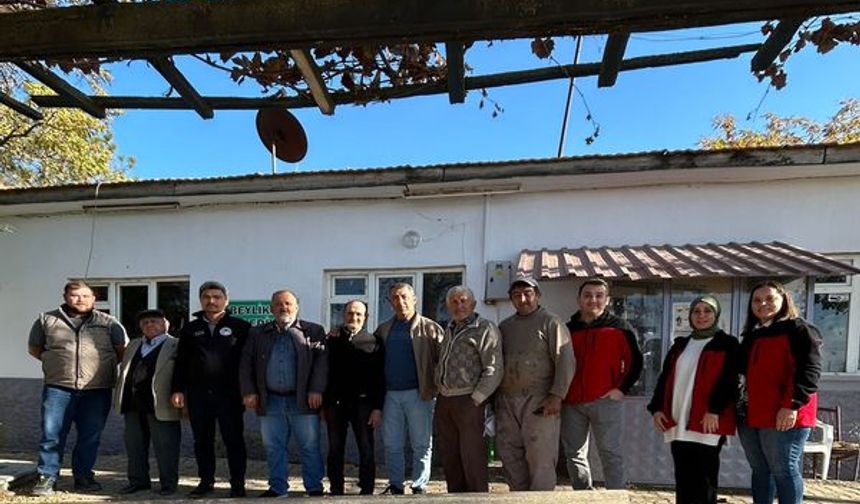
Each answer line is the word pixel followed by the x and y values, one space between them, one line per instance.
pixel 697 471
pixel 205 408
pixel 338 418
pixel 140 429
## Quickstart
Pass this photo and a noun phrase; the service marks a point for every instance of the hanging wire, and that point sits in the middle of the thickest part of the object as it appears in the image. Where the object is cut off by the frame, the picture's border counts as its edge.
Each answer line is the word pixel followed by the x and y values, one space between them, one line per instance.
pixel 93 229
pixel 570 87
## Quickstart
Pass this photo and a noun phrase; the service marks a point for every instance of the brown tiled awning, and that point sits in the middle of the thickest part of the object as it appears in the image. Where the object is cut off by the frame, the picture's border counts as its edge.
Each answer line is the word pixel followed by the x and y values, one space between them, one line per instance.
pixel 680 261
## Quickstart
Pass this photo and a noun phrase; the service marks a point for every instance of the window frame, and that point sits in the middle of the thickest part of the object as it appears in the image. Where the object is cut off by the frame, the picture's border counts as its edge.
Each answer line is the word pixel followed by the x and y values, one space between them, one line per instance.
pixel 113 302
pixel 371 294
pixel 852 288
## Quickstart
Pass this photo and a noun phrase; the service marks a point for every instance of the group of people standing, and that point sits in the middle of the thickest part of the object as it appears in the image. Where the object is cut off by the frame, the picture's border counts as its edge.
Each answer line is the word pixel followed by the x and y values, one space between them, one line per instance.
pixel 545 382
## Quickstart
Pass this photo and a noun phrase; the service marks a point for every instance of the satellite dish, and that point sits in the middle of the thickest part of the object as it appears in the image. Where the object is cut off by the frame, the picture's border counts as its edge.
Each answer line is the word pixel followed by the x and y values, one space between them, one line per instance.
pixel 282 134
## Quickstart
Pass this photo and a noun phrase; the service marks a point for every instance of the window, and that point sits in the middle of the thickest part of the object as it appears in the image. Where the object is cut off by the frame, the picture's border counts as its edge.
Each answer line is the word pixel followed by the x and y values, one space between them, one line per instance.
pixel 641 305
pixel 835 313
pixel 372 287
pixel 124 298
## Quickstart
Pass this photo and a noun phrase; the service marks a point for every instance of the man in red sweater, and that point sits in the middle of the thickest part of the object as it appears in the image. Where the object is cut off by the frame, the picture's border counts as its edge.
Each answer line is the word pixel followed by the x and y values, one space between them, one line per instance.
pixel 609 362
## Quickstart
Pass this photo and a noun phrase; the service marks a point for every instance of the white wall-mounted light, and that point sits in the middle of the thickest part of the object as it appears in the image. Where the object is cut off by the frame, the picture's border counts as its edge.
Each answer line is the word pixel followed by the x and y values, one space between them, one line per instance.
pixel 411 239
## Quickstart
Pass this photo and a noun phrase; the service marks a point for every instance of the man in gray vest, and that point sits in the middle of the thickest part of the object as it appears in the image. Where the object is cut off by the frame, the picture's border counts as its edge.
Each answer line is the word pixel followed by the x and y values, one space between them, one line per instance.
pixel 79 348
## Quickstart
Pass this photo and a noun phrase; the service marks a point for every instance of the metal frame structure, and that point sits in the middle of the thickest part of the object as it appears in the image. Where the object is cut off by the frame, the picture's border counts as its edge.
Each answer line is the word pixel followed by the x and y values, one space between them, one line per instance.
pixel 158 31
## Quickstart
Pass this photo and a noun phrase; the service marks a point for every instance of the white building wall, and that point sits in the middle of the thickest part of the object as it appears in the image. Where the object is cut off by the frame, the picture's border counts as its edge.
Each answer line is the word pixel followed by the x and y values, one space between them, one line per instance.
pixel 255 249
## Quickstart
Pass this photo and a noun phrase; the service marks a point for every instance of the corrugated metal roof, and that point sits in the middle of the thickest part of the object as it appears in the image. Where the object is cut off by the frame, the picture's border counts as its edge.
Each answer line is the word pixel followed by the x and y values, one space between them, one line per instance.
pixel 732 259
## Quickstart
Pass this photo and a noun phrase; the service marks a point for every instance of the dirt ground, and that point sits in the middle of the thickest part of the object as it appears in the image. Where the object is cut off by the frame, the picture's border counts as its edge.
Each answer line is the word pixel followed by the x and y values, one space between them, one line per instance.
pixel 110 472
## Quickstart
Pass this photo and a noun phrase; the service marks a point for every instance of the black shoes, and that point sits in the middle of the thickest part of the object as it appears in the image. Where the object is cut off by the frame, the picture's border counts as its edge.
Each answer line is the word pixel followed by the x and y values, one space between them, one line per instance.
pixel 133 488
pixel 165 491
pixel 44 486
pixel 203 488
pixel 87 484
pixel 315 493
pixel 237 492
pixel 418 491
pixel 392 490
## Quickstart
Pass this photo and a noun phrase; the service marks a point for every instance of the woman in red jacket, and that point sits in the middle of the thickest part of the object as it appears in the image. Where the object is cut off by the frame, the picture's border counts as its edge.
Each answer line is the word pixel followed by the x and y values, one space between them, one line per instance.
pixel 780 368
pixel 694 402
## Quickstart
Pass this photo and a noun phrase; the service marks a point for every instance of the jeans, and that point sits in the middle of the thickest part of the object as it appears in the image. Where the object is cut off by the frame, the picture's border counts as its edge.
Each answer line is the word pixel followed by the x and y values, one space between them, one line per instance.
pixel 404 411
pixel 282 418
pixel 775 459
pixel 61 407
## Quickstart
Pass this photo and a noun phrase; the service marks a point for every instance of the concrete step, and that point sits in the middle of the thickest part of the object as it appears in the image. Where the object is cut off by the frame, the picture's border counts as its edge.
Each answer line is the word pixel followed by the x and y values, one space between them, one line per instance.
pixel 14 473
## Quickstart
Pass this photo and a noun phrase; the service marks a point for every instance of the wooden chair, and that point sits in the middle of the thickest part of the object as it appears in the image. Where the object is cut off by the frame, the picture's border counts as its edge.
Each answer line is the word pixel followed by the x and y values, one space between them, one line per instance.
pixel 841 449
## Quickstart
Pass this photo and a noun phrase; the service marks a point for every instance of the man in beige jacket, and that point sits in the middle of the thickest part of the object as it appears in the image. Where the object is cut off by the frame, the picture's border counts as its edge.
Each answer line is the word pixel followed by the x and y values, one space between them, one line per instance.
pixel 469 370
pixel 539 366
pixel 142 396
pixel 411 352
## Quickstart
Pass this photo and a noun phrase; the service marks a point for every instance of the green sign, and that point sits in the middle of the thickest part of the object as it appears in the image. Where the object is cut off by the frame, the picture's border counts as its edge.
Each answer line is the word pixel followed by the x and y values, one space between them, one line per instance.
pixel 255 312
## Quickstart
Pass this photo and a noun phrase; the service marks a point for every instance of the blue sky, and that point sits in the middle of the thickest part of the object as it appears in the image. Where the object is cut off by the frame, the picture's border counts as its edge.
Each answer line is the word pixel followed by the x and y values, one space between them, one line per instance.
pixel 653 109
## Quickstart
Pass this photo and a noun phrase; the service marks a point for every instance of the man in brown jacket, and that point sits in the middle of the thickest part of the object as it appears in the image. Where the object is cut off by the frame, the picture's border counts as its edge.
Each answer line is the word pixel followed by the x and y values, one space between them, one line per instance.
pixel 468 372
pixel 411 352
pixel 539 366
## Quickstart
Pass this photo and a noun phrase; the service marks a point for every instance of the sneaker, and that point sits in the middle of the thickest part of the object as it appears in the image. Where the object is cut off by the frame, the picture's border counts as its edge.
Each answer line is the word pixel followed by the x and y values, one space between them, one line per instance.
pixel 87 484
pixel 418 491
pixel 44 486
pixel 237 492
pixel 392 490
pixel 132 488
pixel 202 488
pixel 271 494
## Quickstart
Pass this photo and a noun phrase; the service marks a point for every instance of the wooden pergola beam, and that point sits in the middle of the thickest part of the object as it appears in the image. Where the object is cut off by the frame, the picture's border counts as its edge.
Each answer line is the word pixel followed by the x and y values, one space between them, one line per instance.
pixel 456 65
pixel 175 78
pixel 21 108
pixel 142 29
pixel 478 82
pixel 63 88
pixel 775 43
pixel 313 77
pixel 613 54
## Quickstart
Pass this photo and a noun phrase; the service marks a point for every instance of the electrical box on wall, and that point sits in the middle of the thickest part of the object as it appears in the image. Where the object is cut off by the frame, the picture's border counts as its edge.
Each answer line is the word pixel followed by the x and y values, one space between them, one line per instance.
pixel 498 280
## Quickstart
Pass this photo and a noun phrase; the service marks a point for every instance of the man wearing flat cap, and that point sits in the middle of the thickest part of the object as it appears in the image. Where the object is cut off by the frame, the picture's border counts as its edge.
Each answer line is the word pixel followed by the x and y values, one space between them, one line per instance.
pixel 142 396
pixel 539 366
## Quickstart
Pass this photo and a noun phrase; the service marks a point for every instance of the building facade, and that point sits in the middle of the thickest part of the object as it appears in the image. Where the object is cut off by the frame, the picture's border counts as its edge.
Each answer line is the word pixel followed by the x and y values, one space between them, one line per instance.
pixel 339 235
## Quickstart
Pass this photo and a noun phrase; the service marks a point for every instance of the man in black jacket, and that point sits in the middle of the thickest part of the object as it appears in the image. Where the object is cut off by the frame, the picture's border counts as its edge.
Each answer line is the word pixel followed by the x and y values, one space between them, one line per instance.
pixel 206 380
pixel 283 376
pixel 355 394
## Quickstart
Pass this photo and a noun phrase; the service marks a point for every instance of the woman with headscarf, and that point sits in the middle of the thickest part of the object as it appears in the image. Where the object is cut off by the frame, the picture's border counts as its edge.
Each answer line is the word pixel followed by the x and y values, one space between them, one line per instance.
pixel 780 367
pixel 694 402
